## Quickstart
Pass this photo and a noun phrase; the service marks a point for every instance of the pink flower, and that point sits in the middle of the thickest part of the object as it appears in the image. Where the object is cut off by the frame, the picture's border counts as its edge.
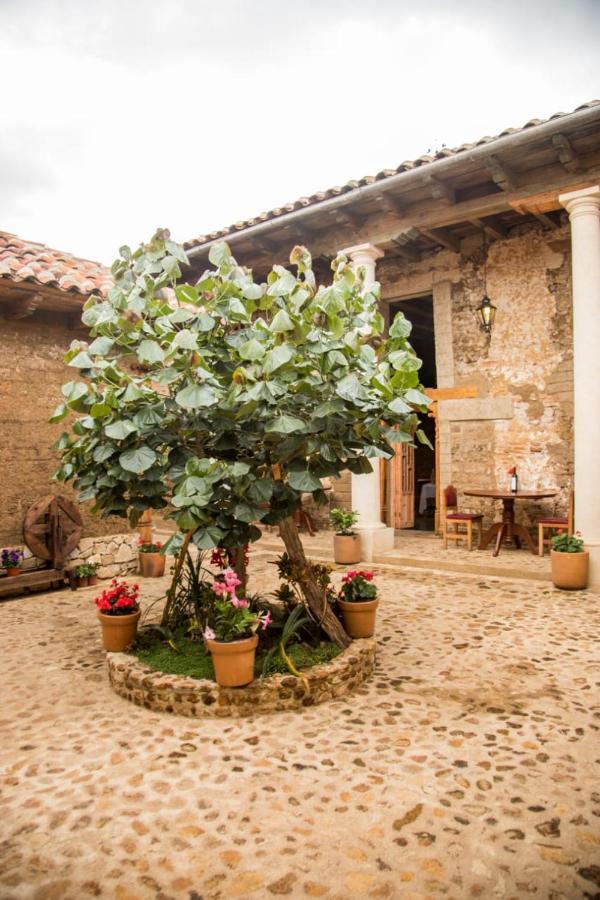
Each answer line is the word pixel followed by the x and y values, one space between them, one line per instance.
pixel 265 620
pixel 239 602
pixel 209 634
pixel 220 588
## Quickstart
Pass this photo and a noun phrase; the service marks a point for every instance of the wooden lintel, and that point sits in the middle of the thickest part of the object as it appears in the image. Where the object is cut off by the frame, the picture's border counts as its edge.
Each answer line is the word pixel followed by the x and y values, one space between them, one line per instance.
pixel 493 229
pixel 21 306
pixel 565 152
pixel 453 393
pixel 442 238
pixel 407 235
pixel 500 172
pixel 346 217
pixel 440 190
pixel 390 204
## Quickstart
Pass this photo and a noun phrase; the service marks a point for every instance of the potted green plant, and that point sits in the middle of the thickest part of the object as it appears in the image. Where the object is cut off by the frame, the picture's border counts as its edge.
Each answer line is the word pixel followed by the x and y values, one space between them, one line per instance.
pixel 152 560
pixel 230 632
pixel 11 559
pixel 81 575
pixel 358 602
pixel 346 542
pixel 118 612
pixel 569 562
pixel 92 569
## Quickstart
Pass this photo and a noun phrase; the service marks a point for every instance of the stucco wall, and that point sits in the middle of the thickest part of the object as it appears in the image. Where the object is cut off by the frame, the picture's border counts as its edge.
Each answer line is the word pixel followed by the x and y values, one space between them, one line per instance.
pixel 523 414
pixel 31 374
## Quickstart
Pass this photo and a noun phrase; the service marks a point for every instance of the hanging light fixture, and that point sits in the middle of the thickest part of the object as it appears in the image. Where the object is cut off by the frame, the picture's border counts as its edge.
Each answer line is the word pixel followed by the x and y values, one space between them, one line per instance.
pixel 486 309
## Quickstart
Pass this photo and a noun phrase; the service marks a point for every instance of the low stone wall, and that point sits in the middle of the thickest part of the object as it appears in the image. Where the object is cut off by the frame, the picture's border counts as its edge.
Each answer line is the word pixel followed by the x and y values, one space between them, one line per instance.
pixel 115 554
pixel 197 697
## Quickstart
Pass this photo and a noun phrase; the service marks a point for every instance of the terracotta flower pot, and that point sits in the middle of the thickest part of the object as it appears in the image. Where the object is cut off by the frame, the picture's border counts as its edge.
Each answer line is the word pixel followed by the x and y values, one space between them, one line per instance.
pixel 82 581
pixel 118 632
pixel 359 617
pixel 233 661
pixel 92 579
pixel 13 570
pixel 569 570
pixel 152 565
pixel 346 548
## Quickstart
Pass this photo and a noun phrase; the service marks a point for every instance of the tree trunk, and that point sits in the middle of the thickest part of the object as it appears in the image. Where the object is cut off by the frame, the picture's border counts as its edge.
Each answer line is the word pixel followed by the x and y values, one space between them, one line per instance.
pixel 175 579
pixel 237 559
pixel 313 594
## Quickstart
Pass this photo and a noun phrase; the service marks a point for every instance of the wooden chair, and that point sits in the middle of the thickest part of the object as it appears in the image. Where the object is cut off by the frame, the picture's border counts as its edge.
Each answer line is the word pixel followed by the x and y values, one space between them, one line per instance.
pixel 452 517
pixel 556 524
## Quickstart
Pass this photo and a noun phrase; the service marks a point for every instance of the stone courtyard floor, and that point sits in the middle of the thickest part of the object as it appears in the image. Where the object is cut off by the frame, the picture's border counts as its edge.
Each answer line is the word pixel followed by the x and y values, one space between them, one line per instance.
pixel 466 767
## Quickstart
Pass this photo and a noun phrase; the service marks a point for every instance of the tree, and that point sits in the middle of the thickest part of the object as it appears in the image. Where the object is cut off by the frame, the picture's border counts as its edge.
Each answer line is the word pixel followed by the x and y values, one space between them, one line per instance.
pixel 225 400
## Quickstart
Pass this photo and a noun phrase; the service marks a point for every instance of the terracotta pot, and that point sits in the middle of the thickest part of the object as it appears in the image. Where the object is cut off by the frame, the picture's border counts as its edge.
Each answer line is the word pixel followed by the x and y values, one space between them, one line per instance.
pixel 569 570
pixel 346 548
pixel 233 661
pixel 359 617
pixel 13 570
pixel 82 580
pixel 152 565
pixel 92 579
pixel 118 632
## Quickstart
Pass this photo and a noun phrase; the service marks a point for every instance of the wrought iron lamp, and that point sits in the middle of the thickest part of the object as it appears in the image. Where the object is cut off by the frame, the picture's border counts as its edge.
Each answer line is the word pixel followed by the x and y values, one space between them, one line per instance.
pixel 487 313
pixel 486 309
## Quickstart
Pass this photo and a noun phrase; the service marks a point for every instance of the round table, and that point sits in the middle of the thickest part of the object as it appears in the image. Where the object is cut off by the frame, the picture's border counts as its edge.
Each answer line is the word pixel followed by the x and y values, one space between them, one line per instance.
pixel 508 530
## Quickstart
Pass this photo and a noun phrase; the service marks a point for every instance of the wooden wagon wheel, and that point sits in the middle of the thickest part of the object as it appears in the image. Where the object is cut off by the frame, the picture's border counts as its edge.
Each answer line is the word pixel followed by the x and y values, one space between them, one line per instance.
pixel 52 528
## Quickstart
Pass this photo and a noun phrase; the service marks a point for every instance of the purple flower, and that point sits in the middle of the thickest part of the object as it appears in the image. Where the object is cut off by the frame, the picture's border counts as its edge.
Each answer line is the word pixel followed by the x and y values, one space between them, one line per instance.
pixel 11 557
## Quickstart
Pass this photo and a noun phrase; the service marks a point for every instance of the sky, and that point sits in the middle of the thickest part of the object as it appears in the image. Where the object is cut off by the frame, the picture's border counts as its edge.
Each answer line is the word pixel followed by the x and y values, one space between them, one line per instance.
pixel 121 116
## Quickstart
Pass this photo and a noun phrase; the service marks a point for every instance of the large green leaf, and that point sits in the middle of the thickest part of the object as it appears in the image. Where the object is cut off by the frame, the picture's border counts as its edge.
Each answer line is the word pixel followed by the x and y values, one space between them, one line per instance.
pixel 82 360
pixel 101 346
pixel 119 430
pixel 276 358
pixel 150 352
pixel 219 254
pixel 417 397
pixel 281 322
pixel 252 350
pixel 185 339
pixel 195 396
pixel 285 424
pixel 399 406
pixel 304 481
pixel 137 459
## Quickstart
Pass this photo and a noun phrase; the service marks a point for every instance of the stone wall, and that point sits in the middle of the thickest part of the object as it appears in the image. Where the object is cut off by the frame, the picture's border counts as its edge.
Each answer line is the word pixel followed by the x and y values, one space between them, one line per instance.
pixel 523 414
pixel 186 696
pixel 115 554
pixel 31 374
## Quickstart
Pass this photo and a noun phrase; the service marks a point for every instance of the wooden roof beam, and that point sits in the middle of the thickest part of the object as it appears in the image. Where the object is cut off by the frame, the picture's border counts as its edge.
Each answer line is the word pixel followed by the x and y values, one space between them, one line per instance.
pixel 390 204
pixel 501 174
pixel 493 229
pixel 403 249
pixel 21 306
pixel 565 152
pixel 546 220
pixel 440 190
pixel 442 238
pixel 346 217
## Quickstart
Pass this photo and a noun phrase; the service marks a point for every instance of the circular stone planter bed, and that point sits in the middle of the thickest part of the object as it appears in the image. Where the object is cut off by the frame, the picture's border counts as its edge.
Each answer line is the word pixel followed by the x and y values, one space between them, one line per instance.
pixel 200 697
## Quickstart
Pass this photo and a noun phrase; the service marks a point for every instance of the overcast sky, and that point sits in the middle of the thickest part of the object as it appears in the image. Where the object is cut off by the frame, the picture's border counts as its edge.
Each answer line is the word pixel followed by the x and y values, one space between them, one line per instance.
pixel 118 117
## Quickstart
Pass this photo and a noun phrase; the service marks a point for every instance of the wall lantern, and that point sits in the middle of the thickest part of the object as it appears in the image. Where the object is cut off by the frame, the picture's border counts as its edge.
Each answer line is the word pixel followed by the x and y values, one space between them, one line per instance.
pixel 486 309
pixel 487 313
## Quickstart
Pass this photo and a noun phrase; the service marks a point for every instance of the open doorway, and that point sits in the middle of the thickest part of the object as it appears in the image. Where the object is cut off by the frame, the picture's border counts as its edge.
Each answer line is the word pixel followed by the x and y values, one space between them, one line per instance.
pixel 412 484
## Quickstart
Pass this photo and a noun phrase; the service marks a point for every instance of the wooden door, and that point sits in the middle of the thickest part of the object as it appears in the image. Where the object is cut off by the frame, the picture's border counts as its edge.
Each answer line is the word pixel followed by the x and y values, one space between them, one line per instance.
pixel 403 486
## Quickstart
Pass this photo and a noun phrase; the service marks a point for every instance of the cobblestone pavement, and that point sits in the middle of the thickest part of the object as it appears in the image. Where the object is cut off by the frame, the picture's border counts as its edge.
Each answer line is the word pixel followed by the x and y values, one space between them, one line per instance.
pixel 467 767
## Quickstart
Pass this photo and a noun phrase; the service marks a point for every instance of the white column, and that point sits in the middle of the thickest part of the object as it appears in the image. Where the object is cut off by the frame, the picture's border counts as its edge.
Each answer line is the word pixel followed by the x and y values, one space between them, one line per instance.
pixel 375 536
pixel 584 212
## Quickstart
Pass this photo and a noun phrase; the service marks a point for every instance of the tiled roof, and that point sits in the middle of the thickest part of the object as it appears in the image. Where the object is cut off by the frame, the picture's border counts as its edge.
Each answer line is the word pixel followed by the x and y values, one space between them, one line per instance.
pixel 27 261
pixel 405 166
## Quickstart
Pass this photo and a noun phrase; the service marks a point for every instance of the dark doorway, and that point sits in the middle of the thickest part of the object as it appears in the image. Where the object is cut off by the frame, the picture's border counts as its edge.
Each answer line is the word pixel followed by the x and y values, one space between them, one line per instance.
pixel 419 312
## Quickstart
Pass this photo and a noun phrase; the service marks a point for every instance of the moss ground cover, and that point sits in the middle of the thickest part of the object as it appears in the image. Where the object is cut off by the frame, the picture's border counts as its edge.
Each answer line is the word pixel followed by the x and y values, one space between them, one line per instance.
pixel 191 658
